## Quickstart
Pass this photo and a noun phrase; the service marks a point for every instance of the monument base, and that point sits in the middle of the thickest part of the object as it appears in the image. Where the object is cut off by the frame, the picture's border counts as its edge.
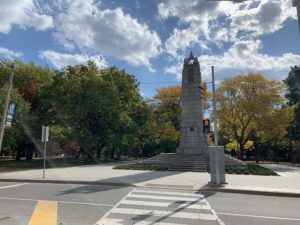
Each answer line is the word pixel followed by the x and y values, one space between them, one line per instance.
pixel 192 150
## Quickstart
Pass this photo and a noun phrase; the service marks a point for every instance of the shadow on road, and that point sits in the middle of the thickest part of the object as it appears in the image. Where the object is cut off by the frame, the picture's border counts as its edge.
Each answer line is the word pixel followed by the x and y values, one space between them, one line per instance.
pixel 119 182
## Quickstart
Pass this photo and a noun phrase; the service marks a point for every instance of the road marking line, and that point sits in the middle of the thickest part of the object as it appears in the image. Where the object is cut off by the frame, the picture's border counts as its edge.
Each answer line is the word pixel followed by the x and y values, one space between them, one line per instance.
pixel 14 185
pixel 169 193
pixel 129 221
pixel 63 202
pixel 219 221
pixel 45 213
pixel 187 201
pixel 165 198
pixel 85 203
pixel 99 222
pixel 173 214
pixel 165 204
pixel 256 216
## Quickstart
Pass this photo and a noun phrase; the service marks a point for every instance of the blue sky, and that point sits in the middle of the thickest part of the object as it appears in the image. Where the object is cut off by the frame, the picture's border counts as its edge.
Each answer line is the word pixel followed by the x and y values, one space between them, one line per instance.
pixel 151 38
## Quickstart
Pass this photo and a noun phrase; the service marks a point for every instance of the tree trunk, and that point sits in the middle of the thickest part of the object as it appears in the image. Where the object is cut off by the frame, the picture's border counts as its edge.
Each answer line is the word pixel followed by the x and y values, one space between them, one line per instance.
pixel 241 155
pixel 18 154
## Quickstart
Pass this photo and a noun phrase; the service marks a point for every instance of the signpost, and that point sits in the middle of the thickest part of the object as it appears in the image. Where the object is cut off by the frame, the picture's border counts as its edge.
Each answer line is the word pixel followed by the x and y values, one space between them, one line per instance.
pixel 45 138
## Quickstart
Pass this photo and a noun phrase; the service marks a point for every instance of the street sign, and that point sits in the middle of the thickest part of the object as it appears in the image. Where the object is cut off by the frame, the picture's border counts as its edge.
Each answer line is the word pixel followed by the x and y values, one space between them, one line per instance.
pixel 45 134
pixel 45 139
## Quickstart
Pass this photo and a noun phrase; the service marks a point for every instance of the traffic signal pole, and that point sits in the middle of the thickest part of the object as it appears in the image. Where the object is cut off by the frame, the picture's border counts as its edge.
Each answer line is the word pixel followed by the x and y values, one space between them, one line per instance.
pixel 217 169
pixel 4 114
pixel 214 106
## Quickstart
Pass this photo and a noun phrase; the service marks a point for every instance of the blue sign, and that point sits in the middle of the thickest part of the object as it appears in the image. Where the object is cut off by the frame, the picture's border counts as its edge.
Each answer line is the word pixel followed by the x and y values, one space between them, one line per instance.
pixel 10 113
pixel 12 108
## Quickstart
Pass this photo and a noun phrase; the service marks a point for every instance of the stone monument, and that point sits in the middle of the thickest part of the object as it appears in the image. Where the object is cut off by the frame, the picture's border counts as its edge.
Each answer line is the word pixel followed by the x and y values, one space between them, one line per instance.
pixel 192 138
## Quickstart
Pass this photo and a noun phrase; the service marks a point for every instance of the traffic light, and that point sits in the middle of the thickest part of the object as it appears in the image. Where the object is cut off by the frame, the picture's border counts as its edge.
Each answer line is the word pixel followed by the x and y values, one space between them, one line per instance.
pixel 203 90
pixel 206 126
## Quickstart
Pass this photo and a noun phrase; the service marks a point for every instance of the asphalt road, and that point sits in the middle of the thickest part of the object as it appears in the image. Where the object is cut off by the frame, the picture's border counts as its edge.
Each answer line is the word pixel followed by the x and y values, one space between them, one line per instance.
pixel 69 204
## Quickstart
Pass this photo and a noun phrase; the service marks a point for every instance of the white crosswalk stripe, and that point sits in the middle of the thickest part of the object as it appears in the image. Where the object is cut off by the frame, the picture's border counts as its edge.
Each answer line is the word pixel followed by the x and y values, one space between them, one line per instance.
pixel 155 207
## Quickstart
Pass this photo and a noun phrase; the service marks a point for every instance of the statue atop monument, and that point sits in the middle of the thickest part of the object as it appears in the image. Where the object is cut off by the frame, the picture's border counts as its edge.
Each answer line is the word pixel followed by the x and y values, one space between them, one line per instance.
pixel 192 138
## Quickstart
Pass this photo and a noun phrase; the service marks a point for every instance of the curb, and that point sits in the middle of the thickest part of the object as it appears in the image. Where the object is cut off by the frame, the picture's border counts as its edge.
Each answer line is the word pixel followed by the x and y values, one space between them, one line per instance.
pixel 252 192
pixel 69 182
pixel 206 189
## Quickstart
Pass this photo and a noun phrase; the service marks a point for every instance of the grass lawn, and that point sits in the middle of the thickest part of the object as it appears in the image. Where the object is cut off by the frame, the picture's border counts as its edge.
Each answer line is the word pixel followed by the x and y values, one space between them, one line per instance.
pixel 253 169
pixel 38 163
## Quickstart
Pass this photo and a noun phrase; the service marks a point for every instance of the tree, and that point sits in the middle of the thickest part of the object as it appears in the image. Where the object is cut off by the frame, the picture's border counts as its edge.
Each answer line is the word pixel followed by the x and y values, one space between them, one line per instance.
pixel 246 104
pixel 98 106
pixel 292 83
pixel 15 137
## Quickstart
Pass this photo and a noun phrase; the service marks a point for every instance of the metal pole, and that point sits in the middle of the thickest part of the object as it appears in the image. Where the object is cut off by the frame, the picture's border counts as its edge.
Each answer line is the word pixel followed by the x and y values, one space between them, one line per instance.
pixel 4 114
pixel 214 106
pixel 218 179
pixel 45 153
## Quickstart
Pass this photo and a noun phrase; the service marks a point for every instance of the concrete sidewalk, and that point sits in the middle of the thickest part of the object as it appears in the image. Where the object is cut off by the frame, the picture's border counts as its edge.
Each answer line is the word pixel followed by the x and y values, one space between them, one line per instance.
pixel 287 184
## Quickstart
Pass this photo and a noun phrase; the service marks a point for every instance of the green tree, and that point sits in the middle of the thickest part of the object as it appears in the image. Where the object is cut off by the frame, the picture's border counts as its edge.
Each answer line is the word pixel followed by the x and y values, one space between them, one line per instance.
pixel 292 83
pixel 97 107
pixel 15 137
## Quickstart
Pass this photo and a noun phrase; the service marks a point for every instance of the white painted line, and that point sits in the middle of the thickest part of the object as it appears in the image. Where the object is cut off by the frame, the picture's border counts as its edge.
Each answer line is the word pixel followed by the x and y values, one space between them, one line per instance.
pixel 169 214
pixel 14 185
pixel 263 217
pixel 85 203
pixel 165 198
pixel 165 204
pixel 63 202
pixel 219 221
pixel 170 193
pixel 108 212
pixel 131 222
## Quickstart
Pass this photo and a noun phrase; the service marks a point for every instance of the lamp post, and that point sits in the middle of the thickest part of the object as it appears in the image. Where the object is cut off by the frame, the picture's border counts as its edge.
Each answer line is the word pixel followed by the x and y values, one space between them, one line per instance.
pixel 6 104
pixel 296 3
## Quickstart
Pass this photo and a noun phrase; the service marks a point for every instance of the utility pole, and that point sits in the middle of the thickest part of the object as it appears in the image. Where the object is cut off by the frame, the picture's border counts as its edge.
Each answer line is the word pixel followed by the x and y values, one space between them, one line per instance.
pixel 6 104
pixel 217 166
pixel 214 106
pixel 296 3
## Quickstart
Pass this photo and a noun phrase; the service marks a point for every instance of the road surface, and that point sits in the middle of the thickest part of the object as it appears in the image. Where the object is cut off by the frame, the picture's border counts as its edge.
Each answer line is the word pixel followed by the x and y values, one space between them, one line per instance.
pixel 69 204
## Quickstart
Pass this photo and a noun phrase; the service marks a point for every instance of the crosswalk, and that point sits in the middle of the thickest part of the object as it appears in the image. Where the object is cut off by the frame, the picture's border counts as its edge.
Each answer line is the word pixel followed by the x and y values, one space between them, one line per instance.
pixel 157 207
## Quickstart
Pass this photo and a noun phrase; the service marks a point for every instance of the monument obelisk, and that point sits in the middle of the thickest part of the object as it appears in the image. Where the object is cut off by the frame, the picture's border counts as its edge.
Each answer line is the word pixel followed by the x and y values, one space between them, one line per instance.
pixel 192 138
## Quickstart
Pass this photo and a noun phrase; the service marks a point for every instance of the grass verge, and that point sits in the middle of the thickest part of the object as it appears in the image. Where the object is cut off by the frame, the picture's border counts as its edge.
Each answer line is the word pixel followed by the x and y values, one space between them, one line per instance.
pixel 253 170
pixel 10 164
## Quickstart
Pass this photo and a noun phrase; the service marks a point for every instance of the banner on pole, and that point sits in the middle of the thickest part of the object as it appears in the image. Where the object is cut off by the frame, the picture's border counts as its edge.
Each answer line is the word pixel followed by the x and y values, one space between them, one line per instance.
pixel 12 109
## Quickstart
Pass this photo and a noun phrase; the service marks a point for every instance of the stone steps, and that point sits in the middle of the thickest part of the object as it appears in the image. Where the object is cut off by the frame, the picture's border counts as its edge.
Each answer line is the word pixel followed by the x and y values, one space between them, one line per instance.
pixel 180 162
pixel 190 162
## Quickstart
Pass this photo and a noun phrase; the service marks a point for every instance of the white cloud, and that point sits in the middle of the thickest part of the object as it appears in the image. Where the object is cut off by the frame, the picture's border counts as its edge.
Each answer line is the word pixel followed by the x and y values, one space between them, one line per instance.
pixel 196 13
pixel 244 21
pixel 242 57
pixel 267 17
pixel 82 25
pixel 60 60
pixel 8 54
pixel 22 13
